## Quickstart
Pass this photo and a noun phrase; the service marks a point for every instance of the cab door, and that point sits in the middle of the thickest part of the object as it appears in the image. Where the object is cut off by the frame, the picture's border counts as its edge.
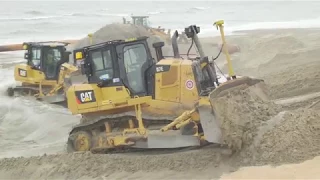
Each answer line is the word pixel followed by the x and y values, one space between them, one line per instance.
pixel 134 61
pixel 51 61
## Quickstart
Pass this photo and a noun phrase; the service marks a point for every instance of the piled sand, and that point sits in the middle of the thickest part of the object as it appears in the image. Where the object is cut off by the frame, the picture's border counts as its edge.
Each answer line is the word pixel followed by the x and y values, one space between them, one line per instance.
pixel 290 137
pixel 260 132
pixel 120 32
pixel 240 112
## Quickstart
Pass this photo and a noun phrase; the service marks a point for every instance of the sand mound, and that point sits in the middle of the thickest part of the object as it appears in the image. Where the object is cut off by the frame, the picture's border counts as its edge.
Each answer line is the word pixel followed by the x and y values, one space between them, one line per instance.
pixel 120 31
pixel 287 62
pixel 290 137
pixel 284 61
pixel 240 112
pixel 294 81
pixel 264 49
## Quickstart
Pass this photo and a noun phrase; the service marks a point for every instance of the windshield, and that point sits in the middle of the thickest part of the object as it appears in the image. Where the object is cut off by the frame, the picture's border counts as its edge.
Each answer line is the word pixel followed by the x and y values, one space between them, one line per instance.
pixel 102 64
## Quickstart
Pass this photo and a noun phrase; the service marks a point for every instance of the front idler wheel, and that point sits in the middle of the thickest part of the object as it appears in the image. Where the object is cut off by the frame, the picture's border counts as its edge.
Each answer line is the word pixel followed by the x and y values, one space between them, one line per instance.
pixel 79 141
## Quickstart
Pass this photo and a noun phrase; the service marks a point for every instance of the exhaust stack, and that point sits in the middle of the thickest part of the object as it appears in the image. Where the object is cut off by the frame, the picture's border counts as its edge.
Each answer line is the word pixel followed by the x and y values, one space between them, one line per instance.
pixel 175 47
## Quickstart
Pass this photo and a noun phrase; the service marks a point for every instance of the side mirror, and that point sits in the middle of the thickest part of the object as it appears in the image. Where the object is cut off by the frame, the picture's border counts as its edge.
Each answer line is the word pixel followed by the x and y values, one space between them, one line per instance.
pixel 26 55
pixel 65 56
pixel 158 48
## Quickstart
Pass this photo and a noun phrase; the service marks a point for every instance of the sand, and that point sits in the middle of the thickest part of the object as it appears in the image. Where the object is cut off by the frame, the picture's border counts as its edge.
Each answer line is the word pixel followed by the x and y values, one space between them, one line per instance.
pixel 260 132
pixel 87 165
pixel 306 170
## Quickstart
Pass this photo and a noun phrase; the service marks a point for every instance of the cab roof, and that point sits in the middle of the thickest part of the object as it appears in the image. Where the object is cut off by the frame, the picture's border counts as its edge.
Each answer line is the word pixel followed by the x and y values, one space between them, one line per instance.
pixel 139 16
pixel 114 42
pixel 47 43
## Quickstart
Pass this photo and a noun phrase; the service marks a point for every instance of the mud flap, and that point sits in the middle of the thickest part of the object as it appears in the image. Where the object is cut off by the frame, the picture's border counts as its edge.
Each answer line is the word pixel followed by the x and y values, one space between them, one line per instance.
pixel 53 99
pixel 168 139
pixel 210 125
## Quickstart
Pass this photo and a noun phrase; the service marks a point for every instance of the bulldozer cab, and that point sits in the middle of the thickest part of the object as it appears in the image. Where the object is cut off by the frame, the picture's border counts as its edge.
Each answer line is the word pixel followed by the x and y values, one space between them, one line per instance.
pixel 114 63
pixel 140 20
pixel 129 63
pixel 46 57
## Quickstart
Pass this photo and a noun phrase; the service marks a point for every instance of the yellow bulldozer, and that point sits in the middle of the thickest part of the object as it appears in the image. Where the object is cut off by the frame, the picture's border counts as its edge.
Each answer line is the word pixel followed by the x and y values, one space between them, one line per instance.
pixel 44 72
pixel 132 102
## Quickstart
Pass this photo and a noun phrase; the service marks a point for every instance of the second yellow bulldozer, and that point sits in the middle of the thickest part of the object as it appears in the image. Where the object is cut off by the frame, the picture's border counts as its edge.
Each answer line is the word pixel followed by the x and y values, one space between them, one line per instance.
pixel 44 72
pixel 143 21
pixel 131 101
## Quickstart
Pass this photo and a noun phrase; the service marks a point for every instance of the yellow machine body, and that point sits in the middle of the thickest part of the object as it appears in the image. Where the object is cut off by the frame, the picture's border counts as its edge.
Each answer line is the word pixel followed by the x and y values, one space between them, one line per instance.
pixel 171 97
pixel 178 113
pixel 25 74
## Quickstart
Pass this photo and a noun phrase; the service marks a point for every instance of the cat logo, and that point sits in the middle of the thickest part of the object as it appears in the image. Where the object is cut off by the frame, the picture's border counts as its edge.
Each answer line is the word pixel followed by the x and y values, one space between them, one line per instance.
pixel 162 68
pixel 22 72
pixel 85 96
pixel 159 69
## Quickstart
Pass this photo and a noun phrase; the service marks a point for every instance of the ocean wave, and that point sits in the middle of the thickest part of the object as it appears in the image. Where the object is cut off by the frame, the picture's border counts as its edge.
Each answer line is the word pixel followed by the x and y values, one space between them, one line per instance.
pixel 307 23
pixel 104 9
pixel 114 14
pixel 96 14
pixel 34 12
pixel 155 12
pixel 76 14
pixel 24 31
pixel 199 8
pixel 28 18
pixel 233 28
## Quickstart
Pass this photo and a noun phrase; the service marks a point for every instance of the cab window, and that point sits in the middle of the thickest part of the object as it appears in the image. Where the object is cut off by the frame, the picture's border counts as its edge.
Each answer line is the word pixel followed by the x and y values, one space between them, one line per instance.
pixel 102 64
pixel 35 57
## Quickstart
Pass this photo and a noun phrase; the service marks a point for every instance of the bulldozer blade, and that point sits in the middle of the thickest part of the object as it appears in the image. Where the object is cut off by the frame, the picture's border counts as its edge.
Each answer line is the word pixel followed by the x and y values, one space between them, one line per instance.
pixel 166 140
pixel 209 121
pixel 256 86
pixel 210 125
pixel 53 99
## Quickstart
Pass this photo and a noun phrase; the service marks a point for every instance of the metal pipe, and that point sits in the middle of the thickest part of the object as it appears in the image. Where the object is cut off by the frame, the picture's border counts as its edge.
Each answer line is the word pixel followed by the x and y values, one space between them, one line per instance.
pixel 19 47
pixel 197 42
